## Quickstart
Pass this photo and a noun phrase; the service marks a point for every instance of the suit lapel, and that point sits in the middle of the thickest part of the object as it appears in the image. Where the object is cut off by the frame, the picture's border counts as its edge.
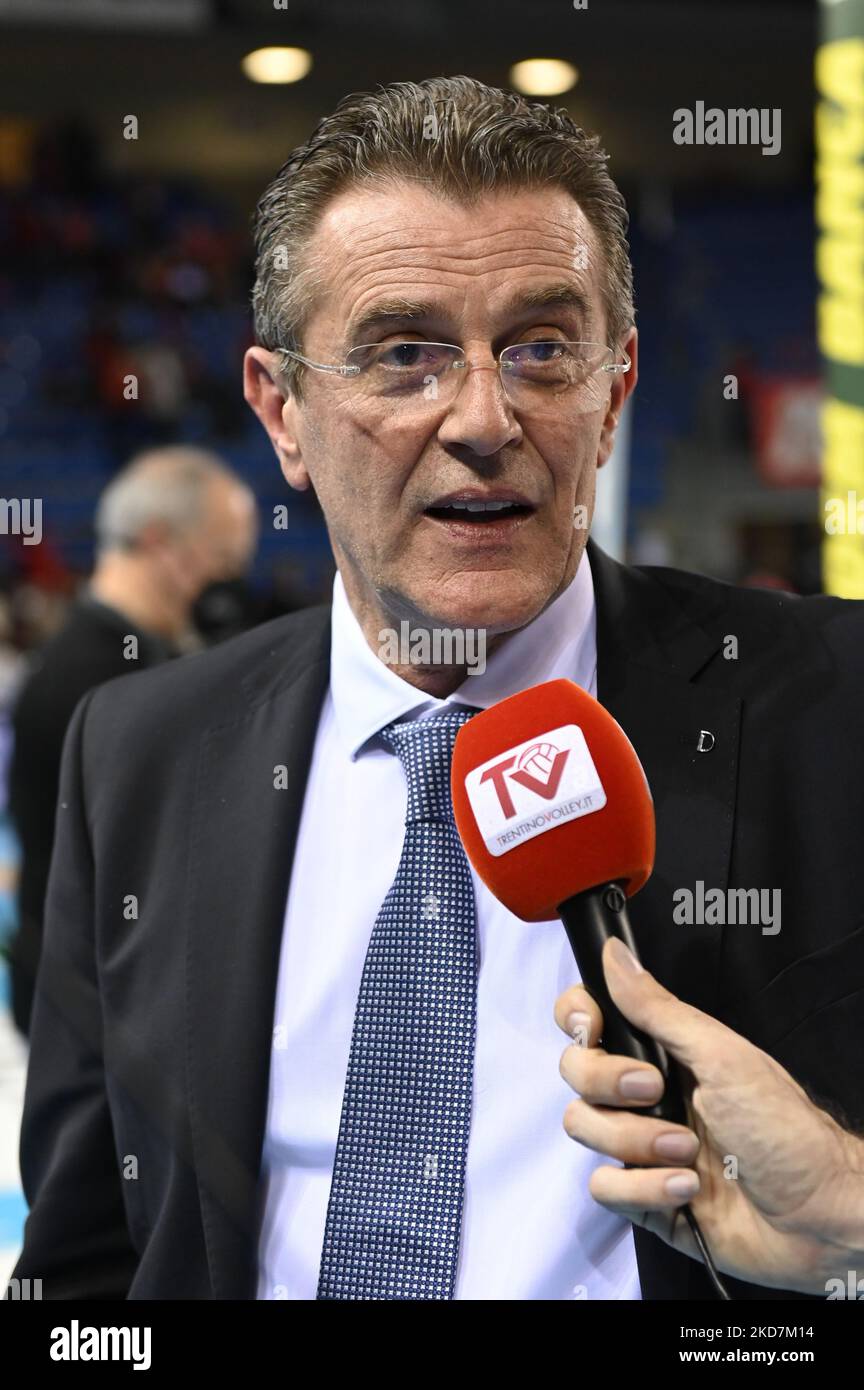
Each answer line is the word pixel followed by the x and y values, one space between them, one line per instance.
pixel 649 656
pixel 242 841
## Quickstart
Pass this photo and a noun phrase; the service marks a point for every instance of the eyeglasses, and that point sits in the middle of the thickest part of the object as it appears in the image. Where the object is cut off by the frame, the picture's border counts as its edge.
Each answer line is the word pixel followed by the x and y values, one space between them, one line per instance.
pixel 546 376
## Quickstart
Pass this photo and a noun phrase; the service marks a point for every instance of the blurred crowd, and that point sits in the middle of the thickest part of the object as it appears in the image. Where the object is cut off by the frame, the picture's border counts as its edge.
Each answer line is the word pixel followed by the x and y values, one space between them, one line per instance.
pixel 116 277
pixel 123 321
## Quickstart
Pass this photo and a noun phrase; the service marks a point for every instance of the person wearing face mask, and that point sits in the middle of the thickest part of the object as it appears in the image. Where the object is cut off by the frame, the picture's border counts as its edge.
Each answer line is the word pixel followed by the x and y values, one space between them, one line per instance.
pixel 225 608
pixel 172 526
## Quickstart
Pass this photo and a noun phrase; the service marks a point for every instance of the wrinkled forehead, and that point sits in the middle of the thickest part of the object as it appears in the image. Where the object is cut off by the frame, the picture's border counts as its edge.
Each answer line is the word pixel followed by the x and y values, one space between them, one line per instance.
pixel 377 246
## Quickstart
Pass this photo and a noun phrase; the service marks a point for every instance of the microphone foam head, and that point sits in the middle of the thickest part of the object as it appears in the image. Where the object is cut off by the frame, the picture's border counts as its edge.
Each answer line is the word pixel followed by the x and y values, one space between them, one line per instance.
pixel 550 799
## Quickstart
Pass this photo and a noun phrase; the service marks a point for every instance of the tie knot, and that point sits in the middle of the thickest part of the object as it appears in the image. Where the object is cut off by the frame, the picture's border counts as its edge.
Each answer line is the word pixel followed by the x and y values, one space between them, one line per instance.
pixel 425 749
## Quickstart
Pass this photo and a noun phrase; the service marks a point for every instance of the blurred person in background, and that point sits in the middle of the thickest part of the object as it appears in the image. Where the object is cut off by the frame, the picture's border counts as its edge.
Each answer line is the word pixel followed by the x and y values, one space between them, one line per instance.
pixel 172 528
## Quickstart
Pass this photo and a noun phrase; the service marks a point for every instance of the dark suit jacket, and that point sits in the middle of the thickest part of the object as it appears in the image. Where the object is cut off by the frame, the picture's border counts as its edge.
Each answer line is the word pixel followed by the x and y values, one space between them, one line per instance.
pixel 151 1042
pixel 87 650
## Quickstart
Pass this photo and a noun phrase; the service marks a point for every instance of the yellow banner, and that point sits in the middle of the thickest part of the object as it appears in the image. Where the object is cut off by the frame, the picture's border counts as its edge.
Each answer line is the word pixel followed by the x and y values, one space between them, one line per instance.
pixel 840 309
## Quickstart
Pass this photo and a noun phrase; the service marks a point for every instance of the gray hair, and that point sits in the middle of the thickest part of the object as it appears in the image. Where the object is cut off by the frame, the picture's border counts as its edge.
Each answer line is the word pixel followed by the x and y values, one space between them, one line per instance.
pixel 167 484
pixel 485 140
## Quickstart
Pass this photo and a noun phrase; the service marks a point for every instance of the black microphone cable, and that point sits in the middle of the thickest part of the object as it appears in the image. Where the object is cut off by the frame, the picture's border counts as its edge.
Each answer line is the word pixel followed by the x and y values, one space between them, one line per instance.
pixel 719 1287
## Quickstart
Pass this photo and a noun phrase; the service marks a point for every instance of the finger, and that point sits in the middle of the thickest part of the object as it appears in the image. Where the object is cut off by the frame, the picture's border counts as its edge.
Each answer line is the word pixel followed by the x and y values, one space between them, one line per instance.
pixel 578 1015
pixel 631 1138
pixel 663 1220
pixel 705 1046
pixel 604 1080
pixel 643 1190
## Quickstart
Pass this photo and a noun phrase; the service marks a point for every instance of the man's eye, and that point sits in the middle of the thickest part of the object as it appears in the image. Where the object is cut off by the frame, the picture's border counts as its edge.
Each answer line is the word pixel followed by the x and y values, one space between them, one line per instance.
pixel 539 351
pixel 405 354
pixel 400 354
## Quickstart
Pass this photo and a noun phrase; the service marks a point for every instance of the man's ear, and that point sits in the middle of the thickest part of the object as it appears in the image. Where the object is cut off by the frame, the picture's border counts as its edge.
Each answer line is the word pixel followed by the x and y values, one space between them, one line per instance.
pixel 622 384
pixel 277 412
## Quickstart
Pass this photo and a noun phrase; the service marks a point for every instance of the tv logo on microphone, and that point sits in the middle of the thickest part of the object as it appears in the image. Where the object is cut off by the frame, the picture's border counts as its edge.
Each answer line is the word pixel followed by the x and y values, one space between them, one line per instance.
pixel 541 783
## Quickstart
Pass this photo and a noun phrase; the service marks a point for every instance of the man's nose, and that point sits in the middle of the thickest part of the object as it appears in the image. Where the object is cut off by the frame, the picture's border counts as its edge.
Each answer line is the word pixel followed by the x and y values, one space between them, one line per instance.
pixel 480 415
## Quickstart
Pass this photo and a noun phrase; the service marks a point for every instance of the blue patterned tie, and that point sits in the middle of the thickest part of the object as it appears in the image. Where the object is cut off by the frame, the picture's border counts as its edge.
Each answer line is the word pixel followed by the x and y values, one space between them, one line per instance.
pixel 395 1212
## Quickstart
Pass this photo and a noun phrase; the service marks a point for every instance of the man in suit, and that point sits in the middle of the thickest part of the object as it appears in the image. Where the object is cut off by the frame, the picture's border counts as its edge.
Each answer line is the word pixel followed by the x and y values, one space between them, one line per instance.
pixel 172 522
pixel 240 856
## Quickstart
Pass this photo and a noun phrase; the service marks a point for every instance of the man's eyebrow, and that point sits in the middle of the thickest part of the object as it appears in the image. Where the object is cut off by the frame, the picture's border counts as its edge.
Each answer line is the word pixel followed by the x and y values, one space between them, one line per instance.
pixel 393 311
pixel 387 311
pixel 563 296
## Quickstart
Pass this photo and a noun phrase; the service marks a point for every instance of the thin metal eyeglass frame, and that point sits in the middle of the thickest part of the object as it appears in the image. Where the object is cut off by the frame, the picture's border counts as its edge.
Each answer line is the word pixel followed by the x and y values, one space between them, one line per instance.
pixel 344 370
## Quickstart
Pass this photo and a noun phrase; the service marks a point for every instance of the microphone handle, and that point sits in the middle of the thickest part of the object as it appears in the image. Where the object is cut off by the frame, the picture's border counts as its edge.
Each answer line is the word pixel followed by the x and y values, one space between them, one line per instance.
pixel 590 918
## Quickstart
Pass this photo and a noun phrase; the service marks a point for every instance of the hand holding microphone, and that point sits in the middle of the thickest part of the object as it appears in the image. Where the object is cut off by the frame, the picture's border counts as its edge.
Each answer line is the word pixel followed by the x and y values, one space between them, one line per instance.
pixel 555 814
pixel 779 1185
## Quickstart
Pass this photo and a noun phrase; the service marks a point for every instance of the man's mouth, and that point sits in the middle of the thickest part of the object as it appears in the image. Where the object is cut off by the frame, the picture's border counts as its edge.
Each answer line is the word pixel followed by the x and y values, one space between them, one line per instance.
pixel 471 512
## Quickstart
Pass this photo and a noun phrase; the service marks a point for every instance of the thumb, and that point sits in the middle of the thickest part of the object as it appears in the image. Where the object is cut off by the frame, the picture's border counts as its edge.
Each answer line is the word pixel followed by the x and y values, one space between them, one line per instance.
pixel 693 1038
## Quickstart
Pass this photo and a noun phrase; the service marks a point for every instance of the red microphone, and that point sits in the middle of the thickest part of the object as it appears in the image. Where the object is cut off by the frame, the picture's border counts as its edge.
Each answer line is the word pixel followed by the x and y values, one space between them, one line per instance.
pixel 555 814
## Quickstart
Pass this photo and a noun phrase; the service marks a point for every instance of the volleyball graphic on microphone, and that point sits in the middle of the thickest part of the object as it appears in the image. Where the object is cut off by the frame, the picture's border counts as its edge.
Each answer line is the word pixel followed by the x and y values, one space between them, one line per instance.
pixel 539 761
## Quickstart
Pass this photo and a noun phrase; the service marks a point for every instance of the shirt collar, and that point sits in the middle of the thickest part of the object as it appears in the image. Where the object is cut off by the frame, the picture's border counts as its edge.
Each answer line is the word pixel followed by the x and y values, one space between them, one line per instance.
pixel 367 694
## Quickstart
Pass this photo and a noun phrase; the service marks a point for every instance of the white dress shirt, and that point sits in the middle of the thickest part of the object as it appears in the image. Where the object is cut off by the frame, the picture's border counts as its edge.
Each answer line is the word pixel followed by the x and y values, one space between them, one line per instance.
pixel 530 1229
